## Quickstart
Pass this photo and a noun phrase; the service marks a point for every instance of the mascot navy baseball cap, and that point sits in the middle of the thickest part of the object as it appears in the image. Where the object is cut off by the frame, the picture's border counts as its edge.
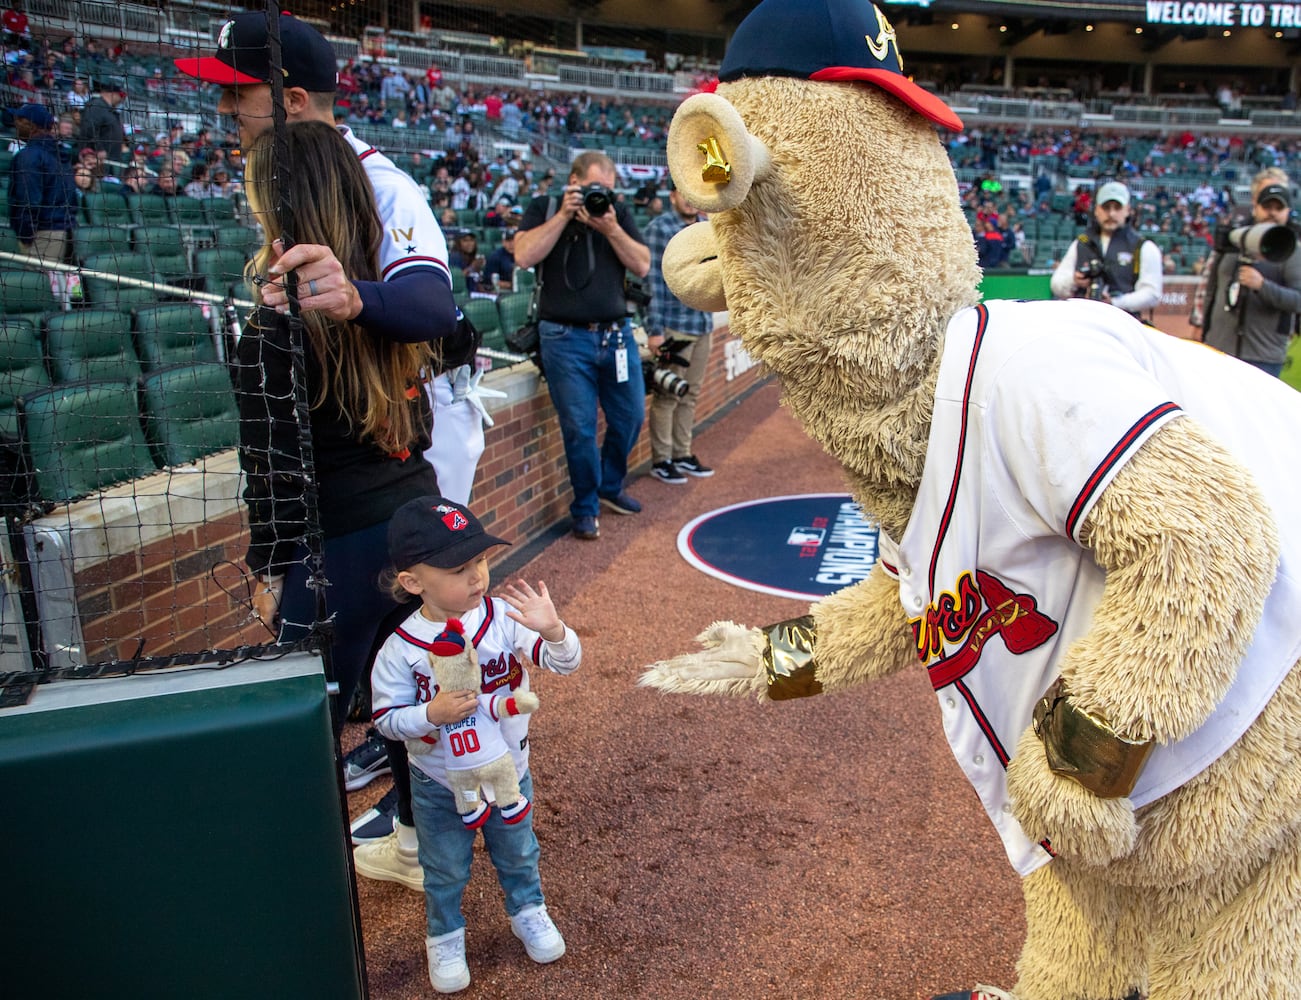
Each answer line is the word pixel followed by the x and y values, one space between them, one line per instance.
pixel 243 57
pixel 437 532
pixel 833 40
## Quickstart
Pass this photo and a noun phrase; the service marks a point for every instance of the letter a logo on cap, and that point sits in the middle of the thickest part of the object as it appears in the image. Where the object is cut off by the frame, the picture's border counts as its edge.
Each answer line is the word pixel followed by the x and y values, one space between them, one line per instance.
pixel 455 520
pixel 880 46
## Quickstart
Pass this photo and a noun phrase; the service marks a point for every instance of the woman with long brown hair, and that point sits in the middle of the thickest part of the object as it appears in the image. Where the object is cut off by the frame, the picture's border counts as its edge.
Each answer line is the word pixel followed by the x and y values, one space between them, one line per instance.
pixel 366 411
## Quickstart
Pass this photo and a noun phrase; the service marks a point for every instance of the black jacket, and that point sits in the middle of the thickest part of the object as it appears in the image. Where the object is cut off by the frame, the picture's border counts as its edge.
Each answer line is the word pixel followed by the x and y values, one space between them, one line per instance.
pixel 356 484
pixel 101 129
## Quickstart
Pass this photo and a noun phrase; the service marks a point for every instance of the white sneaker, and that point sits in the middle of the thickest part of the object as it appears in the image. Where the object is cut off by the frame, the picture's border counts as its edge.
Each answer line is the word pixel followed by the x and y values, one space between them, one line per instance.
pixel 541 940
pixel 385 861
pixel 448 972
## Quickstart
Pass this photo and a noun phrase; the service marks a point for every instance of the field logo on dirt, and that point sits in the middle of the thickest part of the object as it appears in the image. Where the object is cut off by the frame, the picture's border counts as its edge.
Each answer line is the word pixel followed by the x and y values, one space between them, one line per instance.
pixel 802 547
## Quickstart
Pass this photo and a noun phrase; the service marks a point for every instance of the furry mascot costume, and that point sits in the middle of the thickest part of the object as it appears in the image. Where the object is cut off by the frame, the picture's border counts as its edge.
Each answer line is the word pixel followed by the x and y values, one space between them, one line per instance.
pixel 1094 529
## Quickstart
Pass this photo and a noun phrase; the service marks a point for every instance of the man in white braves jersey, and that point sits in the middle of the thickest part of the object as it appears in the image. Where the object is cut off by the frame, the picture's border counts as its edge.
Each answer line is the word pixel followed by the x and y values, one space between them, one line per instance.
pixel 412 302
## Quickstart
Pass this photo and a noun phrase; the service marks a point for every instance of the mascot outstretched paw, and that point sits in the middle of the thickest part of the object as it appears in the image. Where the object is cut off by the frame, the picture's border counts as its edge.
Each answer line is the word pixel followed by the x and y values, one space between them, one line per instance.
pixel 730 663
pixel 1077 823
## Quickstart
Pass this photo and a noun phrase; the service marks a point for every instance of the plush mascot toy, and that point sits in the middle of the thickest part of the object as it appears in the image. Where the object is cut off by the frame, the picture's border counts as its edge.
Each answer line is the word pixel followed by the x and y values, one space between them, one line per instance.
pixel 1094 529
pixel 473 749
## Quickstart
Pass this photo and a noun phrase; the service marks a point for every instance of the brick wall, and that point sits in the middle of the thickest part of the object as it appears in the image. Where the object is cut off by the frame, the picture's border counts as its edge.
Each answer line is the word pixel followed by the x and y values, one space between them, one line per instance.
pixel 160 559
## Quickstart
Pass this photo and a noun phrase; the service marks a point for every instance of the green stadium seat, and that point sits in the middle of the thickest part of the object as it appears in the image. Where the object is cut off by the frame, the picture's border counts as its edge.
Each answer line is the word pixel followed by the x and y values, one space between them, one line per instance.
pixel 172 333
pixel 483 314
pixel 222 269
pixel 512 308
pixel 26 292
pixel 22 370
pixel 90 344
pixel 90 240
pixel 187 211
pixel 458 283
pixel 106 208
pixel 104 292
pixel 83 437
pixel 220 211
pixel 152 209
pixel 189 411
pixel 525 279
pixel 246 239
pixel 157 238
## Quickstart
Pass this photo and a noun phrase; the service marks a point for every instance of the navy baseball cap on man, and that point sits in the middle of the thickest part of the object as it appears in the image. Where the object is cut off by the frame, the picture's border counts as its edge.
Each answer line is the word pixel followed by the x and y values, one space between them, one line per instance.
pixel 832 40
pixel 243 58
pixel 437 532
pixel 38 114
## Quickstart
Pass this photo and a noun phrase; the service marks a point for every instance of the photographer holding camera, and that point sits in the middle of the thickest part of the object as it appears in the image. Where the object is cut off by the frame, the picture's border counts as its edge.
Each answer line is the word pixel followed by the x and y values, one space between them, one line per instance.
pixel 685 353
pixel 1110 261
pixel 582 242
pixel 1252 299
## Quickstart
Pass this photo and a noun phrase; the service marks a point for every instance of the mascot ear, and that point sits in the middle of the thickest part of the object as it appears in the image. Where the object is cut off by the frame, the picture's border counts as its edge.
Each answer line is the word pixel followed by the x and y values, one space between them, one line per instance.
pixel 712 157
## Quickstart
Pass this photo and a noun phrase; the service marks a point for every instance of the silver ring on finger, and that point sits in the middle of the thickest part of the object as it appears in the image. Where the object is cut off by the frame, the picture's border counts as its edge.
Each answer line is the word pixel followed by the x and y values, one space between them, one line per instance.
pixel 311 287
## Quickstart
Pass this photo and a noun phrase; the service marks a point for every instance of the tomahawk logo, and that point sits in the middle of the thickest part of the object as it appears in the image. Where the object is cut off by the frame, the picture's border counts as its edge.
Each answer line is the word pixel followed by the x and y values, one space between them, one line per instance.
pixel 978 608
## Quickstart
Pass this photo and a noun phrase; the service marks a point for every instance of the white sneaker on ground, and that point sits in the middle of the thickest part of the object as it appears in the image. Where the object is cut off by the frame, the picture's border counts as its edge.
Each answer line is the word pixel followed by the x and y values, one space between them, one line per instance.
pixel 386 861
pixel 541 940
pixel 448 972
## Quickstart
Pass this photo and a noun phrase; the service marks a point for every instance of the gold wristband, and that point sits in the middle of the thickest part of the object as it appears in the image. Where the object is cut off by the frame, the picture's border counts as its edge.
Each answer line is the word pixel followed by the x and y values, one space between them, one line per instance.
pixel 788 659
pixel 1086 749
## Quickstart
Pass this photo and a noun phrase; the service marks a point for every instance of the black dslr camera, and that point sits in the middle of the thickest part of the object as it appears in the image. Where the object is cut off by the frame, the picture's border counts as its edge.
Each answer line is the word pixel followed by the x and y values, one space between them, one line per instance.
pixel 597 198
pixel 662 380
pixel 1092 269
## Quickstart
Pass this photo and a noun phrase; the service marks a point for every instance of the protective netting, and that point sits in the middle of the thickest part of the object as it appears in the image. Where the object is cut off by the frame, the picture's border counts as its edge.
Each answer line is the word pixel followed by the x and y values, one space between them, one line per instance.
pixel 123 289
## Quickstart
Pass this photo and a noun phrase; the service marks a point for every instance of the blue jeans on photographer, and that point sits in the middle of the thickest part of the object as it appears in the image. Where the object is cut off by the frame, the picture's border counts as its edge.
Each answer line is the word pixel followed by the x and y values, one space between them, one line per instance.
pixel 583 369
pixel 447 849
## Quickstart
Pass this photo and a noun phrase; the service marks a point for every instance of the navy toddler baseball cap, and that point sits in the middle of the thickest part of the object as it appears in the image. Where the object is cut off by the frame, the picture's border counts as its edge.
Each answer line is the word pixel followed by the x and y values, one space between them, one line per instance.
pixel 437 532
pixel 833 40
pixel 243 58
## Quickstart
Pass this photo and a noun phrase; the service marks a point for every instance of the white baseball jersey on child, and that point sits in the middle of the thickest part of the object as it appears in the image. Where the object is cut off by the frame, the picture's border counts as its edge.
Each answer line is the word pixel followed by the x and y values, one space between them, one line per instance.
pixel 402 681
pixel 991 572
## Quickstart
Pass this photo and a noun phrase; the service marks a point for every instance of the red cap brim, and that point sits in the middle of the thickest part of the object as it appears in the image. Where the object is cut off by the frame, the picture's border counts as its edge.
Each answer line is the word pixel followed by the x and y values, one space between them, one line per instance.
pixel 210 69
pixel 922 101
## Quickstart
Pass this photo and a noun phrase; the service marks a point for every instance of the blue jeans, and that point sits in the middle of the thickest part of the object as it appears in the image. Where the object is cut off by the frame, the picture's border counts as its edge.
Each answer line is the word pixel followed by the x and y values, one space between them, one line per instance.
pixel 353 564
pixel 581 372
pixel 447 848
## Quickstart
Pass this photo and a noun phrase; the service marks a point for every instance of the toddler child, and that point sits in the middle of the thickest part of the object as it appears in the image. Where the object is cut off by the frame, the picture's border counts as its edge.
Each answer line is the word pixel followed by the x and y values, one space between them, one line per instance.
pixel 439 550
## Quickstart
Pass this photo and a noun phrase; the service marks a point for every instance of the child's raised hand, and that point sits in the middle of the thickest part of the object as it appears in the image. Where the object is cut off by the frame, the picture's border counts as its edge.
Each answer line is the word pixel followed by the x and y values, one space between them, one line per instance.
pixel 533 609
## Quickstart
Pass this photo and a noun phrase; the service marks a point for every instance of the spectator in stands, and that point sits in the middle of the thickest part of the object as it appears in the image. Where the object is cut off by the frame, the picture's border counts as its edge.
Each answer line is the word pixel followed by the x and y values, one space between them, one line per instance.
pixel 1252 303
pixel 680 337
pixel 587 346
pixel 165 183
pixel 465 257
pixel 42 191
pixel 499 271
pixel 222 185
pixel 498 216
pixel 1110 261
pixel 85 179
pixel 78 95
pixel 991 248
pixel 134 181
pixel 200 186
pixel 101 127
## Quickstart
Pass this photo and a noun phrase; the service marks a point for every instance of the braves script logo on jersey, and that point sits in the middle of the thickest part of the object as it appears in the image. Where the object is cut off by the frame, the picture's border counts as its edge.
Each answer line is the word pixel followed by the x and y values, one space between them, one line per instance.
pixel 958 616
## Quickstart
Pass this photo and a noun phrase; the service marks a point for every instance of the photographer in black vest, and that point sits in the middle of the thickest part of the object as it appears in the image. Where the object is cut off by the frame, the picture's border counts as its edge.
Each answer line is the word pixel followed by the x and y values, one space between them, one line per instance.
pixel 1110 261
